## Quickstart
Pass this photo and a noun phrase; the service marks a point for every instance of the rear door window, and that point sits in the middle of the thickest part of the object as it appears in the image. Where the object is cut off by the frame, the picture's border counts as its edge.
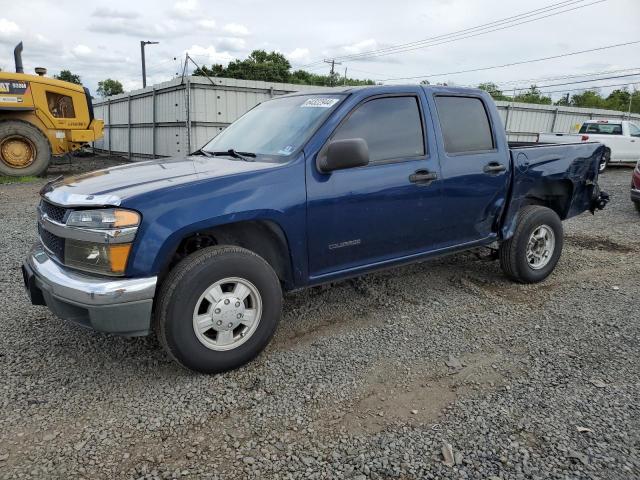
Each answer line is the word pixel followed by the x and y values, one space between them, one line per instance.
pixel 602 128
pixel 465 124
pixel 634 130
pixel 391 126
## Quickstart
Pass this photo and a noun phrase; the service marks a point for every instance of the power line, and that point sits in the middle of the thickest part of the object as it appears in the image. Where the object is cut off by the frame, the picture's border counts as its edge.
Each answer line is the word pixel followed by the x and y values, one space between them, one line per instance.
pixel 502 24
pixel 590 88
pixel 522 62
pixel 563 77
pixel 577 81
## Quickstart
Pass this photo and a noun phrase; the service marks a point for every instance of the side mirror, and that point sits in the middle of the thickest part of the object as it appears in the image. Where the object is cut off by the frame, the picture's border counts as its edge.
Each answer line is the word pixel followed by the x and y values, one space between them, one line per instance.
pixel 340 154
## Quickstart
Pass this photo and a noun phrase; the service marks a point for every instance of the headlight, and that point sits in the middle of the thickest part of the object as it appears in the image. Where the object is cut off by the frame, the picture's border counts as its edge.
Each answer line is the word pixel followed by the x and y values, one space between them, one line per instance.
pixel 109 259
pixel 105 218
pixel 100 241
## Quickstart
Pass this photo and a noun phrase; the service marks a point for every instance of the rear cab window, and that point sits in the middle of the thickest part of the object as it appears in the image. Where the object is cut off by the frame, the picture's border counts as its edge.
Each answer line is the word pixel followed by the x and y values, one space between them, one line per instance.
pixel 391 126
pixel 465 125
pixel 602 128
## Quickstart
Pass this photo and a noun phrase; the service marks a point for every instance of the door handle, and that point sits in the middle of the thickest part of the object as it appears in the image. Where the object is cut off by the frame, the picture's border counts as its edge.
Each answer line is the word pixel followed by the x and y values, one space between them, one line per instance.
pixel 423 177
pixel 494 167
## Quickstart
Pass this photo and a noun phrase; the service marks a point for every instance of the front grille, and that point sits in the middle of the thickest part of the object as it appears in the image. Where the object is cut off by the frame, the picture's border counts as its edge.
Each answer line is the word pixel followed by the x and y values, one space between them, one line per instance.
pixel 52 211
pixel 52 242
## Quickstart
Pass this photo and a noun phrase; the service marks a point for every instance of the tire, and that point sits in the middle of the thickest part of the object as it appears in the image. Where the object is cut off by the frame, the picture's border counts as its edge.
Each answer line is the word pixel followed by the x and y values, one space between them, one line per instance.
pixel 637 204
pixel 604 162
pixel 514 252
pixel 185 288
pixel 33 140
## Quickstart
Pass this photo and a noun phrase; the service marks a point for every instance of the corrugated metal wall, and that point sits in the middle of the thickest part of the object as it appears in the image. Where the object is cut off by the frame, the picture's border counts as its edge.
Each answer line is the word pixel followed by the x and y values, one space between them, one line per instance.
pixel 155 121
pixel 523 121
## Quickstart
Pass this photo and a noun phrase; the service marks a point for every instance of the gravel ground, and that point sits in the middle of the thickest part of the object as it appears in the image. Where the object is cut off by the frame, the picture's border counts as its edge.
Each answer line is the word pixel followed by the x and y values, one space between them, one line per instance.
pixel 367 379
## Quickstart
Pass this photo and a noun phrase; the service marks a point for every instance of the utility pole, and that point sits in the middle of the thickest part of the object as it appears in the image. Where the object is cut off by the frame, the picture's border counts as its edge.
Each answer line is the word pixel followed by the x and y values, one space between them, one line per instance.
pixel 333 68
pixel 144 66
pixel 630 98
pixel 345 76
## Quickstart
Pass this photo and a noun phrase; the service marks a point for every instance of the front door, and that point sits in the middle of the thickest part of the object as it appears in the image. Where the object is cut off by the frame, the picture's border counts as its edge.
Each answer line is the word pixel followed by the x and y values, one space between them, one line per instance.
pixel 391 208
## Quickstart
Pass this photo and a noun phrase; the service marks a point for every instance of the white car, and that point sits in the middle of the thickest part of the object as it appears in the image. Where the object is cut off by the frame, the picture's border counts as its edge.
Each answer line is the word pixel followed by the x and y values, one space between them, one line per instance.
pixel 620 137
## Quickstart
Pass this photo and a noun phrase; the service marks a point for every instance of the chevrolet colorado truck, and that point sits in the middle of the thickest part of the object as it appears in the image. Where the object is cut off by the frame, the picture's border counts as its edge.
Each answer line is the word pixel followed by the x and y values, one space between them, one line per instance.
pixel 302 190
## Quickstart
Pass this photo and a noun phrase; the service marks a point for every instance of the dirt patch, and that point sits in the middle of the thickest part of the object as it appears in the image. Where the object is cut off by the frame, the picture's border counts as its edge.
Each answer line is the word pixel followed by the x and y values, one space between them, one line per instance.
pixel 598 243
pixel 392 398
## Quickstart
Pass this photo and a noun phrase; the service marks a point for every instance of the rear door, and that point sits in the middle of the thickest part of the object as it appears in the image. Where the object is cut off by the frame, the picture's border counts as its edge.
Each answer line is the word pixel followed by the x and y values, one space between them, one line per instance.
pixel 369 215
pixel 475 167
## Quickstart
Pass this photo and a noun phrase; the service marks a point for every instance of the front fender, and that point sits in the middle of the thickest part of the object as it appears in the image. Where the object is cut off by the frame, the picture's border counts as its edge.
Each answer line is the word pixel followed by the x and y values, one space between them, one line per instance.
pixel 170 215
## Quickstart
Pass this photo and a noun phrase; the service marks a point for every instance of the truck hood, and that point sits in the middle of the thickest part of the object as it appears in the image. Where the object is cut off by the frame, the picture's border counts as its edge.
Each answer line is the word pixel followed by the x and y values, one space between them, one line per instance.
pixel 111 186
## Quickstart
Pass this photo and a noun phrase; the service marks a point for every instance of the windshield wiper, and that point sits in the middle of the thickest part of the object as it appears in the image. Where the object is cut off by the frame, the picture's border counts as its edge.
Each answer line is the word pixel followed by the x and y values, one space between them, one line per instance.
pixel 202 152
pixel 246 156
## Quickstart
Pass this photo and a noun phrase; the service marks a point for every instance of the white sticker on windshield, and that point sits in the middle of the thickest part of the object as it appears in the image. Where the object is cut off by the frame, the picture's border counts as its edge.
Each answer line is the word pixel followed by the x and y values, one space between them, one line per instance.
pixel 320 102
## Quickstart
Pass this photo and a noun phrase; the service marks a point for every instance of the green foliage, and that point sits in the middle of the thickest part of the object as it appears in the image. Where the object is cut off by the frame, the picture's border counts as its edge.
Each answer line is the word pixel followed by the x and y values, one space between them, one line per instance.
pixel 109 87
pixel 273 67
pixel 616 100
pixel 10 180
pixel 493 90
pixel 533 95
pixel 67 76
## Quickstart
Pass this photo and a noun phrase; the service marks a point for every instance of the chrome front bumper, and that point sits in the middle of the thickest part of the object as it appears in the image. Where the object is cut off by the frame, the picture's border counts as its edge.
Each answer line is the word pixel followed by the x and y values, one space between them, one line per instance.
pixel 115 305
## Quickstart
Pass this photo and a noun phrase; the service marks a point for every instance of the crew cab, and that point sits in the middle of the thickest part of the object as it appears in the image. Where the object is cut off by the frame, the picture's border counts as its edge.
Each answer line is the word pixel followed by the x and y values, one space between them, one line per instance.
pixel 621 139
pixel 302 190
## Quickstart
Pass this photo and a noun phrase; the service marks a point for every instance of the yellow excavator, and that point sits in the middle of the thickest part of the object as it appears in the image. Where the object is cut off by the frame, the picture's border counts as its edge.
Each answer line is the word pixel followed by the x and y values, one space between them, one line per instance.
pixel 41 117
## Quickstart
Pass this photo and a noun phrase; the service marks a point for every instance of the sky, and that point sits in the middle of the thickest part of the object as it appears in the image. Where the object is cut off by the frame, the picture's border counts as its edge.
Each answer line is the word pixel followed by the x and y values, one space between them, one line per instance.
pixel 99 40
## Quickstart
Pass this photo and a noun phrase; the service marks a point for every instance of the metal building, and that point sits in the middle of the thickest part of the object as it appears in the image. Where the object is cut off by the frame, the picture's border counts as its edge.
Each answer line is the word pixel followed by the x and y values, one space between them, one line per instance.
pixel 155 121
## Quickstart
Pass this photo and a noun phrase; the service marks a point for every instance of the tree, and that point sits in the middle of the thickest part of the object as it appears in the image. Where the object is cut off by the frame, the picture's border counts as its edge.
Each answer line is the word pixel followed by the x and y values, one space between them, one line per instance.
pixel 67 76
pixel 109 87
pixel 533 95
pixel 274 67
pixel 493 90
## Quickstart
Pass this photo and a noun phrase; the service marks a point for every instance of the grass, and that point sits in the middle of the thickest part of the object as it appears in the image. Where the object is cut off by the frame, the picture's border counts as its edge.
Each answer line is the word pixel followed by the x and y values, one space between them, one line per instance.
pixel 9 180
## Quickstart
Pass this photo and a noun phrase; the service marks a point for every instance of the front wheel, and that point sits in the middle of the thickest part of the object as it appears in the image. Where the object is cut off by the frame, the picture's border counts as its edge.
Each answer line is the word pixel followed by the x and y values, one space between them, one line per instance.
pixel 533 251
pixel 24 149
pixel 218 309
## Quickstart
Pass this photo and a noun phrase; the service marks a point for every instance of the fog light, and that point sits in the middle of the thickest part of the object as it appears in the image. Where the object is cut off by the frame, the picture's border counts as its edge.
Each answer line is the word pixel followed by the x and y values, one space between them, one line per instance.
pixel 108 259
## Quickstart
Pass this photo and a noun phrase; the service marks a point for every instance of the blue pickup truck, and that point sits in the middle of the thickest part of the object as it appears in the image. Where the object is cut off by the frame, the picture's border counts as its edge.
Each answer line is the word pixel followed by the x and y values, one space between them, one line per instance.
pixel 302 190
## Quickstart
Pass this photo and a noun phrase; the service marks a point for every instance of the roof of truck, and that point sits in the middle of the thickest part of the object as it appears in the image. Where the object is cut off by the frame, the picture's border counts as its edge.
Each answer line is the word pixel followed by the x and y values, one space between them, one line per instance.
pixel 387 88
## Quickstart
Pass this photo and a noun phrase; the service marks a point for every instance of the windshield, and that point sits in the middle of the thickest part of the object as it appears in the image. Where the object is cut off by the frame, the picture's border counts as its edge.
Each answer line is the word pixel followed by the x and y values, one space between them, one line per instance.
pixel 276 127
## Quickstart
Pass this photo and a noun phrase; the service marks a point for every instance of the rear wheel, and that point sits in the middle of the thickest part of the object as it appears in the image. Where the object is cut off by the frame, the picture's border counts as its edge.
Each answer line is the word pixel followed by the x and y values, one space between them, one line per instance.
pixel 24 149
pixel 604 161
pixel 533 251
pixel 637 204
pixel 218 309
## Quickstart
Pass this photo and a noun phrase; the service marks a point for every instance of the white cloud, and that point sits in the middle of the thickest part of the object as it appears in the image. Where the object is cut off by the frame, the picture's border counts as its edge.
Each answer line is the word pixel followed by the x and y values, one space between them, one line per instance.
pixel 81 51
pixel 8 29
pixel 186 9
pixel 236 29
pixel 359 47
pixel 230 44
pixel 139 28
pixel 299 55
pixel 207 24
pixel 209 55
pixel 106 12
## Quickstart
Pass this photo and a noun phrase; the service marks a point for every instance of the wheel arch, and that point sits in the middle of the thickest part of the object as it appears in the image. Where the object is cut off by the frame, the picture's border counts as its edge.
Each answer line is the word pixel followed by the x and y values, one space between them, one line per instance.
pixel 265 238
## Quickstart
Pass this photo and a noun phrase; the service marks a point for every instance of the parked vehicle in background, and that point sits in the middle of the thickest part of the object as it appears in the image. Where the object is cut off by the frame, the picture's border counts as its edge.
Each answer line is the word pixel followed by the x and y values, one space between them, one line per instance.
pixel 302 190
pixel 40 118
pixel 635 186
pixel 621 139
